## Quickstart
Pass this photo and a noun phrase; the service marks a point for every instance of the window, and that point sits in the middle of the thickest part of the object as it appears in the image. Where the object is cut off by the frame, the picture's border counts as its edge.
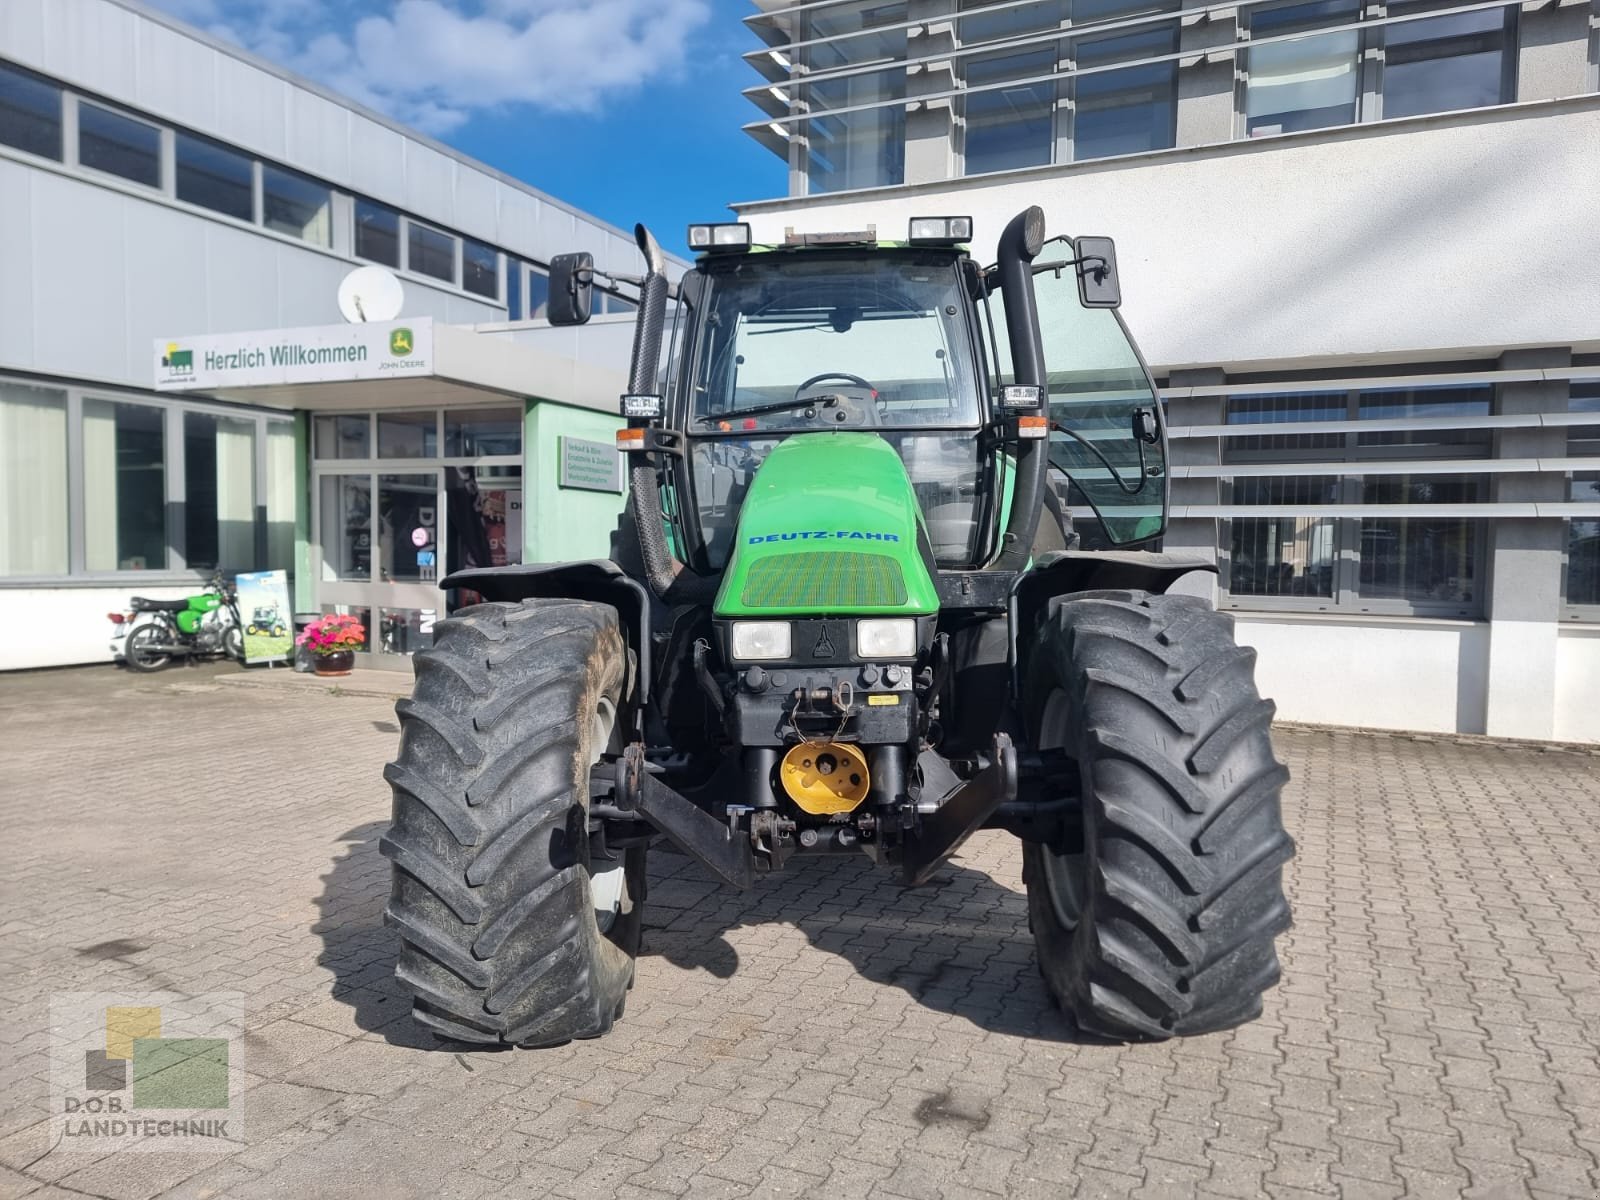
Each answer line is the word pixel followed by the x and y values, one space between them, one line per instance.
pixel 377 233
pixel 1126 111
pixel 33 480
pixel 430 252
pixel 346 519
pixel 1306 82
pixel 1014 126
pixel 1465 60
pixel 219 495
pixel 342 437
pixel 479 432
pixel 614 304
pixel 408 434
pixel 215 177
pixel 1583 533
pixel 297 206
pixel 538 293
pixel 30 113
pixel 1009 127
pixel 514 289
pixel 1427 564
pixel 118 145
pixel 280 486
pixel 865 148
pixel 124 486
pixel 480 269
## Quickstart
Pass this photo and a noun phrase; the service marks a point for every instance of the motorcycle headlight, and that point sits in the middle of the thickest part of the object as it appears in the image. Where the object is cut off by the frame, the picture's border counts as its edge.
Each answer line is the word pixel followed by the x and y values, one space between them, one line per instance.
pixel 886 638
pixel 760 639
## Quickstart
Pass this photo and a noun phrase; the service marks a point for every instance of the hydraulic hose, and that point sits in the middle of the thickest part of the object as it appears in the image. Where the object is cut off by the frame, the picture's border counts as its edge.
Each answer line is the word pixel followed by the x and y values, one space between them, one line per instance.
pixel 1019 245
pixel 668 578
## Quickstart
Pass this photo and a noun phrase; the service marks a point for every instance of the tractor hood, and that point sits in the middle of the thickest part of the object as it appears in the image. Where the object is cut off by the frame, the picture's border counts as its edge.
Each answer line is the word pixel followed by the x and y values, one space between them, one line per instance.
pixel 830 526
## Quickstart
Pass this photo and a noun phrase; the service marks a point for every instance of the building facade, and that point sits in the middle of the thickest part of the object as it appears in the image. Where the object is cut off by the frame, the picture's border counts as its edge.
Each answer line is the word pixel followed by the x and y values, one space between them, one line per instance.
pixel 1358 244
pixel 158 186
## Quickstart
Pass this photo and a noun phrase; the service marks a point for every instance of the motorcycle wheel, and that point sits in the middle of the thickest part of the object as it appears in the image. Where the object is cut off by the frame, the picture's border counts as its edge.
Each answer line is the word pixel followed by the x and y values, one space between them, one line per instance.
pixel 135 654
pixel 233 643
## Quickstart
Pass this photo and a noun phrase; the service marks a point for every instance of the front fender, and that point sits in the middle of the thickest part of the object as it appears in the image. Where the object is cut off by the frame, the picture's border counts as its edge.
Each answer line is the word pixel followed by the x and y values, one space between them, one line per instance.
pixel 599 580
pixel 1061 574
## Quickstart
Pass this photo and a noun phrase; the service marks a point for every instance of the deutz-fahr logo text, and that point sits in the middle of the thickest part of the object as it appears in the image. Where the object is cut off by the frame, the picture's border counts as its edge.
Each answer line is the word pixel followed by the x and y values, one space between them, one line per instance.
pixel 820 535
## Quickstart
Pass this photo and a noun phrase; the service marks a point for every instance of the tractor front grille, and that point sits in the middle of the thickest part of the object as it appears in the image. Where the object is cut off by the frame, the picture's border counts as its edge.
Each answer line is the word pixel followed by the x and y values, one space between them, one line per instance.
pixel 825 578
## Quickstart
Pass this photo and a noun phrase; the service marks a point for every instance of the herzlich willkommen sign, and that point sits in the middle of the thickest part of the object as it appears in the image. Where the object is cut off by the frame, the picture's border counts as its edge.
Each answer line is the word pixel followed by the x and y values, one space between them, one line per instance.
pixel 318 354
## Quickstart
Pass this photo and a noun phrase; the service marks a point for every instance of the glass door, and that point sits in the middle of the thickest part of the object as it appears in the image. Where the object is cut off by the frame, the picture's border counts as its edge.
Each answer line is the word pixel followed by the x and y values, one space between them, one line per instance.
pixel 382 540
pixel 401 499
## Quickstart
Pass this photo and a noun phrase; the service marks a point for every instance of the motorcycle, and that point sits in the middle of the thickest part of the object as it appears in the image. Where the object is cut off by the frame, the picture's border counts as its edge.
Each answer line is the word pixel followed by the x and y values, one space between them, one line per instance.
pixel 202 626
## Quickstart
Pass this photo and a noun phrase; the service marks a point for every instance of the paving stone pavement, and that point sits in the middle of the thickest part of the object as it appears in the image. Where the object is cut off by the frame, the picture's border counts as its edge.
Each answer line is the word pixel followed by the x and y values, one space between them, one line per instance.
pixel 828 1034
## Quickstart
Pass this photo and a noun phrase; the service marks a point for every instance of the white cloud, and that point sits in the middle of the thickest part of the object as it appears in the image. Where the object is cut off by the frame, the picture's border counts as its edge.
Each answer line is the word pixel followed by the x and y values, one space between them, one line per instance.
pixel 434 63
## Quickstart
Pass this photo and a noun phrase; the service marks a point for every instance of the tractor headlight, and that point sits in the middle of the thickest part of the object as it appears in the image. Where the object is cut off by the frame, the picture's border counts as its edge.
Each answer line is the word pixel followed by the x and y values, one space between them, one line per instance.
pixel 760 639
pixel 884 638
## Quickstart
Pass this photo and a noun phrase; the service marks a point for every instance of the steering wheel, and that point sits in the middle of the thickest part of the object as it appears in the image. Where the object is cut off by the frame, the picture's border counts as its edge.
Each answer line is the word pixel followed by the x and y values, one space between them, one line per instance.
pixel 850 411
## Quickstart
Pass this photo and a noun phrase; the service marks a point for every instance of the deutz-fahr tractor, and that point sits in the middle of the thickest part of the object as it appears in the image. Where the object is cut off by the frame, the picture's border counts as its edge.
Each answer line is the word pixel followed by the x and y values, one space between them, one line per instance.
pixel 887 575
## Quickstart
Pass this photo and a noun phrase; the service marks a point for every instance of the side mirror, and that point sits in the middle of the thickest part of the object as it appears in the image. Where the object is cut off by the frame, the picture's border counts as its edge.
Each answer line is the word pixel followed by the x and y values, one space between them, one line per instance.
pixel 571 288
pixel 1098 286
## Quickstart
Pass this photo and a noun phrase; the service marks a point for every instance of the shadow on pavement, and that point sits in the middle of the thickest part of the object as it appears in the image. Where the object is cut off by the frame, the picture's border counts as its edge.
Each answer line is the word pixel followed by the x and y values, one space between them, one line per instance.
pixel 959 944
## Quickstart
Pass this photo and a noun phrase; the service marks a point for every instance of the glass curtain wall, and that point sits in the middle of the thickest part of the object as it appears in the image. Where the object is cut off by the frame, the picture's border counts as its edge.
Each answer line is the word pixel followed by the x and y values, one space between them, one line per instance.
pixel 856 149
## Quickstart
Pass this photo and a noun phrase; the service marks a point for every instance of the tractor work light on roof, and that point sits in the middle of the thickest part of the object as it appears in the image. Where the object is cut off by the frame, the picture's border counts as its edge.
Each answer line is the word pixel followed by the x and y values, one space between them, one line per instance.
pixel 940 231
pixel 719 237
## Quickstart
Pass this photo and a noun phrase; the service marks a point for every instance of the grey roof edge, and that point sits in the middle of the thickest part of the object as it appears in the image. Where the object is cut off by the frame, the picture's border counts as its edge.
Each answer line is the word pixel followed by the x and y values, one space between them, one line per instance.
pixel 234 50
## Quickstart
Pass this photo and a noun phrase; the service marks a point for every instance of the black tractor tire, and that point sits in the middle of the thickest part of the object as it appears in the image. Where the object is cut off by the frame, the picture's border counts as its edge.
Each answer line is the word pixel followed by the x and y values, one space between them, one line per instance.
pixel 494 883
pixel 142 660
pixel 1162 921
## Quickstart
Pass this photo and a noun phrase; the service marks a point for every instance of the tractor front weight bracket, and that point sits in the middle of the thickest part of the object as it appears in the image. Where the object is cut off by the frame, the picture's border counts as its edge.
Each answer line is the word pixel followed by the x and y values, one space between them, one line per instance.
pixel 962 813
pixel 696 832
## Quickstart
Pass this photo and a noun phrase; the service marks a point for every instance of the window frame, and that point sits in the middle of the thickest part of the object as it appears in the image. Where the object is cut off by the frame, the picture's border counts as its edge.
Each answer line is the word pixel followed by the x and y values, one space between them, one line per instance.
pixel 165 175
pixel 1346 599
pixel 410 223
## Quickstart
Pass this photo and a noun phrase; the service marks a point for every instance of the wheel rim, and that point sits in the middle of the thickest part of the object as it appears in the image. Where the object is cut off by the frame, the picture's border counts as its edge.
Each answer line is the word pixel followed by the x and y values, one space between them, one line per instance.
pixel 135 650
pixel 1064 874
pixel 606 887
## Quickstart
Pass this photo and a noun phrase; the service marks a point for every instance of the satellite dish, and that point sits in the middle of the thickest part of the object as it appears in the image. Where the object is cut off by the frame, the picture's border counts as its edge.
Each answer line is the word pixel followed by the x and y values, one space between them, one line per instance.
pixel 370 294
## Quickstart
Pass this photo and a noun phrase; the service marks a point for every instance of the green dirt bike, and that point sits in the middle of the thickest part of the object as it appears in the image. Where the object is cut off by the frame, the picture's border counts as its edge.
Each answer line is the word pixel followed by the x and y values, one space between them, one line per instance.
pixel 202 626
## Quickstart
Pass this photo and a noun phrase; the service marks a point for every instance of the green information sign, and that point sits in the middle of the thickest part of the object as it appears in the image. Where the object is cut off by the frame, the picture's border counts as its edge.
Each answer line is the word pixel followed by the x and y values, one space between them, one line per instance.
pixel 590 466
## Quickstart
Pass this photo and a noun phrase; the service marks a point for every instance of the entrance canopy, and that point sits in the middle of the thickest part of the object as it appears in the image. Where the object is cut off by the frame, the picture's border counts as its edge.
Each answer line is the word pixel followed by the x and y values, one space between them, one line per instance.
pixel 382 364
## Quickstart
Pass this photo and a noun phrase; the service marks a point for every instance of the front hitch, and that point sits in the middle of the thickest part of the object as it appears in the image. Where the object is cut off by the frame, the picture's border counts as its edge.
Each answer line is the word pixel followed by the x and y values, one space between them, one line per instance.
pixel 720 849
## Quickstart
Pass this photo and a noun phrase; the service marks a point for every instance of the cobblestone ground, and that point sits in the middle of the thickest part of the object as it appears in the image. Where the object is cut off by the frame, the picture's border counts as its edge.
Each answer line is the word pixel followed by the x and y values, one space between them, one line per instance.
pixel 829 1034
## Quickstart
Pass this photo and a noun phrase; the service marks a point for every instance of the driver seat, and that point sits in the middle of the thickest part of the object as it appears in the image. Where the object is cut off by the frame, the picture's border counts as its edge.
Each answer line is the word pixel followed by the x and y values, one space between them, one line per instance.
pixel 141 604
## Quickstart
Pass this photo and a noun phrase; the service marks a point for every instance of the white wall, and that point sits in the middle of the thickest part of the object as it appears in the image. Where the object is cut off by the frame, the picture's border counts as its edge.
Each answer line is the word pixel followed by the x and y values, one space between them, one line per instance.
pixel 1578 684
pixel 57 627
pixel 1465 232
pixel 1384 674
pixel 151 62
pixel 94 274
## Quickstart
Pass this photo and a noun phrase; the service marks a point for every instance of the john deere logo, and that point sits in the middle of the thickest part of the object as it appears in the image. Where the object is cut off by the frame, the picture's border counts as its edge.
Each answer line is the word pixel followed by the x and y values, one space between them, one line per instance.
pixel 400 342
pixel 181 362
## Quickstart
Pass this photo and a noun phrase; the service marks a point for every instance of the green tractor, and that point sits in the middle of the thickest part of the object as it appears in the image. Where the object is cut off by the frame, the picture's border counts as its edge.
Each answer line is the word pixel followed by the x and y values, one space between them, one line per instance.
pixel 848 611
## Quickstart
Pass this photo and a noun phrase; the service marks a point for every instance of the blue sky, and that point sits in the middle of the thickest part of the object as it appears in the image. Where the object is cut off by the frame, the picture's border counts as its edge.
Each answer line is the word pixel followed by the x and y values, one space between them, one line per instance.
pixel 629 109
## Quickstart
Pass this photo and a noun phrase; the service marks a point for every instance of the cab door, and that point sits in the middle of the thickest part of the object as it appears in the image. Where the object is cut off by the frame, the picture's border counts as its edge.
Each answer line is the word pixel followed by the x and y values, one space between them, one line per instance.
pixel 1106 430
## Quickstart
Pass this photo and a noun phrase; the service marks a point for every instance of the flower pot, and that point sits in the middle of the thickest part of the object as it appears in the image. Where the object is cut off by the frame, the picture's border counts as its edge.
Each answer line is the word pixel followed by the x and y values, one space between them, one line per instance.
pixel 339 662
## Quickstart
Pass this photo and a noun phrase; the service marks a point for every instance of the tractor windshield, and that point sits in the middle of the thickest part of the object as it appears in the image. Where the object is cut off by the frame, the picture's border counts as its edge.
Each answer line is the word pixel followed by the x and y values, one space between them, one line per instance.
pixel 879 341
pixel 886 331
